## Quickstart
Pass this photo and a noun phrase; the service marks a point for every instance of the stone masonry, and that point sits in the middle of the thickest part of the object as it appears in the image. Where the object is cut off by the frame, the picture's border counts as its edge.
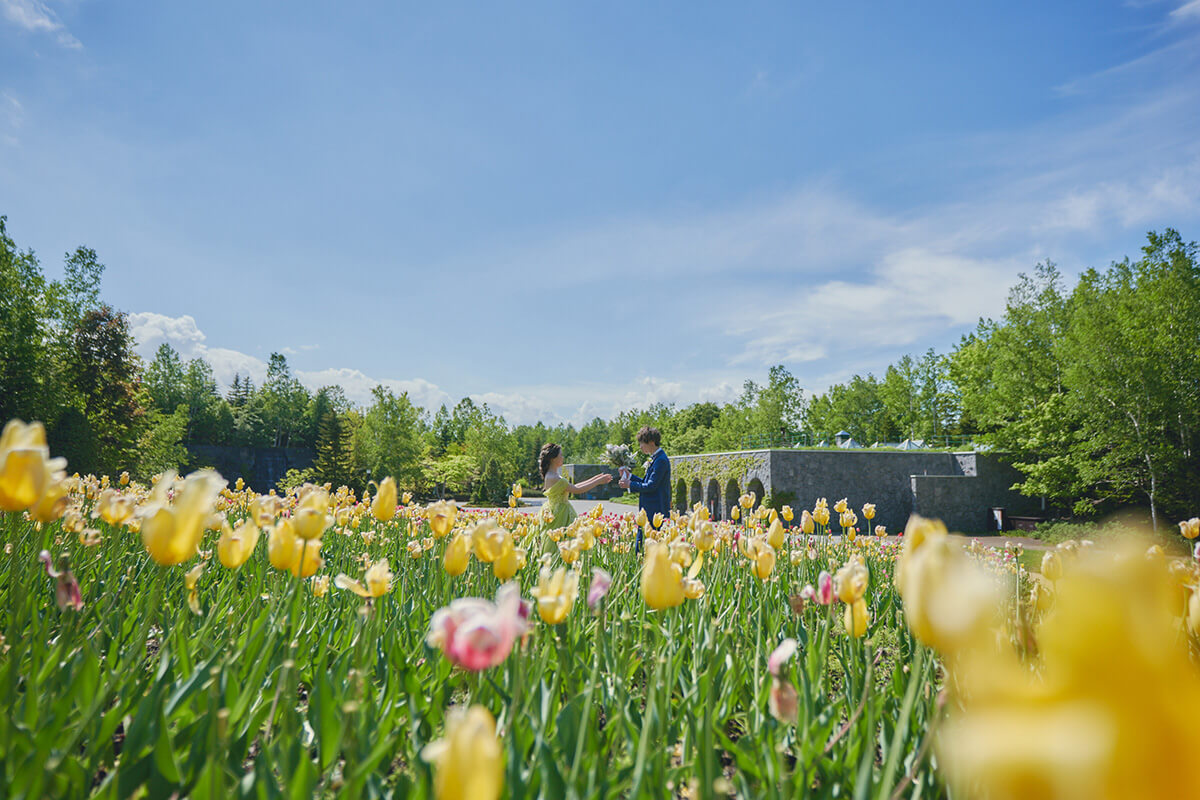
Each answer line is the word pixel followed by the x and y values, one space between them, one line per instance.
pixel 958 488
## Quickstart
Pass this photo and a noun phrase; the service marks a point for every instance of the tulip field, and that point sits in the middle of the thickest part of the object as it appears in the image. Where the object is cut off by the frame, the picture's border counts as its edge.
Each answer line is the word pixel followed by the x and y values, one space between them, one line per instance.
pixel 192 638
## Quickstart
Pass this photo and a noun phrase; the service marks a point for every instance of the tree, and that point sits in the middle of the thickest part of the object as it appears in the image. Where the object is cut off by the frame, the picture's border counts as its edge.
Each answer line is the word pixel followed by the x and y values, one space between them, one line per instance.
pixel 108 380
pixel 160 445
pixel 389 441
pixel 1009 375
pixel 164 379
pixel 334 463
pixel 284 401
pixel 22 349
pixel 1131 355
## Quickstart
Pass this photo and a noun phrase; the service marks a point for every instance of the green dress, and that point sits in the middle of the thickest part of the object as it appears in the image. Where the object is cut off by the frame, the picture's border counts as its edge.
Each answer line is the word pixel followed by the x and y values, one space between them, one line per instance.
pixel 560 506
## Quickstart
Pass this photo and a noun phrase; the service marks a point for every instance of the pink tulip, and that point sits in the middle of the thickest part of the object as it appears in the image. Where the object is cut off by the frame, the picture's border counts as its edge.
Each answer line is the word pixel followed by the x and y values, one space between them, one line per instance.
pixel 784 702
pixel 66 588
pixel 825 593
pixel 601 582
pixel 780 656
pixel 476 634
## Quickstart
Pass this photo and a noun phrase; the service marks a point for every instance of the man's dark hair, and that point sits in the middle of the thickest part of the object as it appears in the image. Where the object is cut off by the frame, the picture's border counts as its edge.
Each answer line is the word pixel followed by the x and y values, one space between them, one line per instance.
pixel 648 434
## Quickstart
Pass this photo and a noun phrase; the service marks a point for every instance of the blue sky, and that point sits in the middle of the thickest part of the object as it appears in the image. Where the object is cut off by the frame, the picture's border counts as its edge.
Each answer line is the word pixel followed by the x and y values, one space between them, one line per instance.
pixel 563 209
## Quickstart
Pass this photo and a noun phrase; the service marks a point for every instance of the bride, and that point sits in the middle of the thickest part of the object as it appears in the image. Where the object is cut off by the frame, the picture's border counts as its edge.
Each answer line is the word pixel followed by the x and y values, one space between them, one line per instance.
pixel 558 488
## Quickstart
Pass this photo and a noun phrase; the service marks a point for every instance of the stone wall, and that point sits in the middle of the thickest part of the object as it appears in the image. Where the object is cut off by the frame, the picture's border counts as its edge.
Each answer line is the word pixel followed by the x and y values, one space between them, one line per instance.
pixel 963 502
pixel 260 467
pixel 956 487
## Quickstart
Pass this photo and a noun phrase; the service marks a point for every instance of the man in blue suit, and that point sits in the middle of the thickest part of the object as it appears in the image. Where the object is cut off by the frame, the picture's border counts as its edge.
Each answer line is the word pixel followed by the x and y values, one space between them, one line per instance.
pixel 654 490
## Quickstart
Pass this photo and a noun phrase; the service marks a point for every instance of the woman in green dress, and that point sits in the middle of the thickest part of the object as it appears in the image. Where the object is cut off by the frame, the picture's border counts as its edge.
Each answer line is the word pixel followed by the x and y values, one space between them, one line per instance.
pixel 558 489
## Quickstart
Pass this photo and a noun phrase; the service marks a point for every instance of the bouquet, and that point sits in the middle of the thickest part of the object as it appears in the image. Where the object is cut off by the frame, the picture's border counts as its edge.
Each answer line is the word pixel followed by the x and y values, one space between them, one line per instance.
pixel 620 456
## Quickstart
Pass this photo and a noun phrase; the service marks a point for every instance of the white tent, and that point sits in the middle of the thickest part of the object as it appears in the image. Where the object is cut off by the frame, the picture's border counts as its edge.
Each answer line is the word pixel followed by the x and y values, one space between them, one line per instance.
pixel 910 444
pixel 850 444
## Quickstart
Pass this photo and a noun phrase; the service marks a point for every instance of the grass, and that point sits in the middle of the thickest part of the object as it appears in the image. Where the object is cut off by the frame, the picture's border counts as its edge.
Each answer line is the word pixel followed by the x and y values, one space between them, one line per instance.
pixel 272 691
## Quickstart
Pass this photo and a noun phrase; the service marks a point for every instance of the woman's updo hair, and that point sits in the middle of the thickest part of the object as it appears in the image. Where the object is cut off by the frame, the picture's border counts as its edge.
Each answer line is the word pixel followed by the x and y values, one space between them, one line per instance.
pixel 550 452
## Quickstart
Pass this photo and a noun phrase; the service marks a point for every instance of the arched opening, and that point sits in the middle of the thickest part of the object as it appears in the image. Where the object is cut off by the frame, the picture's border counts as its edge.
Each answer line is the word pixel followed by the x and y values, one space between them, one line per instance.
pixel 712 498
pixel 732 492
pixel 756 486
pixel 680 495
pixel 694 496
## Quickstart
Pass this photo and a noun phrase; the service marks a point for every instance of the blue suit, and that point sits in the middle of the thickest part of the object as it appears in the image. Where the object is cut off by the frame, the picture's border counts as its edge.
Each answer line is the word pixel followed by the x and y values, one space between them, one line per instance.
pixel 654 490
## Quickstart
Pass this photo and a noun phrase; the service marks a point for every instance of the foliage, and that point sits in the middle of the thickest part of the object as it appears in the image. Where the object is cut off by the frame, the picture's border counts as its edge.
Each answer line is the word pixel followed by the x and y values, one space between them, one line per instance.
pixel 160 446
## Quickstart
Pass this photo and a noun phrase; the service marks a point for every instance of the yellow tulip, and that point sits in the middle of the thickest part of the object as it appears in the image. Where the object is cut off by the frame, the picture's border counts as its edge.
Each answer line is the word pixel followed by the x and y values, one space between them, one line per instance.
pixel 658 520
pixel 1052 566
pixel 555 594
pixel 509 562
pixel 840 506
pixel 468 761
pixel 1190 528
pixel 53 502
pixel 286 552
pixel 705 537
pixel 489 540
pixel 441 516
pixel 458 555
pixel 869 511
pixel 406 498
pixel 806 523
pixel 747 500
pixel 641 518
pixel 856 618
pixel 189 582
pixel 775 535
pixel 124 480
pixel 25 465
pixel 693 589
pixel 762 558
pixel 787 514
pixel 236 545
pixel 662 579
pixel 821 516
pixel 847 519
pixel 950 602
pixel 734 513
pixel 320 585
pixel 516 490
pixel 378 581
pixel 850 582
pixel 171 533
pixel 1113 684
pixel 570 550
pixel 311 516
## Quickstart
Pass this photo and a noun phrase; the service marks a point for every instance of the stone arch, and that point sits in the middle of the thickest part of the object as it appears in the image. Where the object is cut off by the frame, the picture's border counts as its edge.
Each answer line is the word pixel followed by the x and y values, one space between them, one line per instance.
pixel 732 492
pixel 694 497
pixel 756 486
pixel 713 498
pixel 680 495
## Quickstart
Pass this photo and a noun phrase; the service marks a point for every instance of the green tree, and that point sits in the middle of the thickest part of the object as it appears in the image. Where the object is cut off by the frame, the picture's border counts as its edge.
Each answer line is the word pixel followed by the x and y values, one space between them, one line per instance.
pixel 390 441
pixel 1131 356
pixel 108 380
pixel 160 445
pixel 22 331
pixel 284 401
pixel 164 379
pixel 334 463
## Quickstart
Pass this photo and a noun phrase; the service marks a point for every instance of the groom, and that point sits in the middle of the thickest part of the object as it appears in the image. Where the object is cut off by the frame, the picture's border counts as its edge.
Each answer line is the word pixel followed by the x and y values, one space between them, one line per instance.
pixel 654 490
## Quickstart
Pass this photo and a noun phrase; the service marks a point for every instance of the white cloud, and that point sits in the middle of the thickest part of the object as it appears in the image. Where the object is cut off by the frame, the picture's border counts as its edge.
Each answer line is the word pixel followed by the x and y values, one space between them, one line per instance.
pixel 358 386
pixel 1187 11
pixel 150 329
pixel 37 17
